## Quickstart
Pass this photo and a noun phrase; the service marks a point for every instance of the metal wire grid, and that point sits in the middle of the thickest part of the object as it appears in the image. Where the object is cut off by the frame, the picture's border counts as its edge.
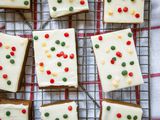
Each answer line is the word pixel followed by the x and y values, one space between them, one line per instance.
pixel 89 94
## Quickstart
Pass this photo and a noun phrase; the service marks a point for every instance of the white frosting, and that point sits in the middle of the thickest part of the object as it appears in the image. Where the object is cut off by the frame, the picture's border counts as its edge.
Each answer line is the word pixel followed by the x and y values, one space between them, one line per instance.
pixel 111 14
pixel 15 112
pixel 57 111
pixel 104 55
pixel 122 109
pixel 42 48
pixel 63 8
pixel 15 4
pixel 12 70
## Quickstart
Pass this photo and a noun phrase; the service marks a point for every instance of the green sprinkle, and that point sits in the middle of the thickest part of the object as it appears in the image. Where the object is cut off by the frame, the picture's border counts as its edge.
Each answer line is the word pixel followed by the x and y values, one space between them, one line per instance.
pixel 132 63
pixel 59 64
pixel 59 1
pixel 64 79
pixel 65 116
pixel 113 47
pixel 8 113
pixel 26 3
pixel 132 0
pixel 46 114
pixel 71 8
pixel 129 117
pixel 108 108
pixel 57 42
pixel 54 8
pixel 123 64
pixel 114 58
pixel 109 76
pixel 129 34
pixel 57 119
pixel 135 117
pixel 12 61
pixel 8 82
pixel 109 1
pixel 35 37
pixel 96 46
pixel 124 72
pixel 8 56
pixel 63 44
pixel 53 48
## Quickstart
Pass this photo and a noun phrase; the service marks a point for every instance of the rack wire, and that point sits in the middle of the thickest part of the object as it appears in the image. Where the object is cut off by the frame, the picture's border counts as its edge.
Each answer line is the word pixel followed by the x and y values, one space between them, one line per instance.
pixel 89 94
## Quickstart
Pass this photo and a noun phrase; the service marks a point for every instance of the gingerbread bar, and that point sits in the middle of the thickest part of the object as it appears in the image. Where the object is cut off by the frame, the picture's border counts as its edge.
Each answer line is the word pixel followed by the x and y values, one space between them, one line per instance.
pixel 17 4
pixel 124 11
pixel 15 109
pixel 56 60
pixel 60 8
pixel 116 110
pixel 117 60
pixel 13 51
pixel 59 111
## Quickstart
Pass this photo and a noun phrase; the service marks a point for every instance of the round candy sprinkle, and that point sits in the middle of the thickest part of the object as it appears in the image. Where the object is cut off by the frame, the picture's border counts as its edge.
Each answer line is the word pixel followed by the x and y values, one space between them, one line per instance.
pixel 13 48
pixel 109 1
pixel 65 56
pixel 59 1
pixel 72 56
pixel 23 111
pixel 108 108
pixel 119 54
pixel 63 44
pixel 12 61
pixel 1 44
pixel 54 8
pixel 26 3
pixel 130 74
pixel 61 53
pixel 119 10
pixel 5 76
pixel 9 82
pixel 114 58
pixel 35 37
pixel 51 81
pixel 64 79
pixel 1 68
pixel 66 34
pixel 46 36
pixel 8 56
pixel 129 117
pixel 66 69
pixel 125 9
pixel 8 113
pixel 70 108
pixel 65 116
pixel 124 72
pixel 58 55
pixel 123 64
pixel 128 42
pixel 48 72
pixel 46 114
pixel 12 53
pixel 137 15
pixel 57 42
pixel 109 76
pixel 132 0
pixel 53 48
pixel 59 64
pixel 100 38
pixel 119 115
pixel 71 8
pixel 57 119
pixel 96 46
pixel 82 2
pixel 132 63
pixel 41 64
pixel 112 61
pixel 129 34
pixel 135 117
pixel 113 47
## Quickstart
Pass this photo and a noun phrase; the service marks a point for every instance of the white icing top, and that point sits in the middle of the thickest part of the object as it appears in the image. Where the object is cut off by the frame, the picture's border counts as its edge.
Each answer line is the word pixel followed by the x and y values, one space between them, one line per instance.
pixel 124 11
pixel 53 52
pixel 113 111
pixel 67 7
pixel 117 60
pixel 15 112
pixel 23 4
pixel 60 111
pixel 12 49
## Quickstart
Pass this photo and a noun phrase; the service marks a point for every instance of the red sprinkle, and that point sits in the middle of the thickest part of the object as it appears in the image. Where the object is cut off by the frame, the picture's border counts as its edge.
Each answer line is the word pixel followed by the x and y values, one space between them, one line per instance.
pixel 12 53
pixel 48 72
pixel 112 61
pixel 61 53
pixel 70 108
pixel 46 35
pixel 5 76
pixel 137 15
pixel 66 34
pixel 1 68
pixel 1 44
pixel 82 2
pixel 119 54
pixel 130 74
pixel 41 64
pixel 119 115
pixel 51 81
pixel 23 111
pixel 125 9
pixel 100 38
pixel 66 69
pixel 13 48
pixel 72 56
pixel 65 56
pixel 58 55
pixel 128 42
pixel 119 10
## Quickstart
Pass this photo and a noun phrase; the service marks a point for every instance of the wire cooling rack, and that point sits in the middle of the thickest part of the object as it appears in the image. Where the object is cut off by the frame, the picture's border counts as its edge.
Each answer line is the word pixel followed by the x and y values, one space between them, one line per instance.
pixel 89 94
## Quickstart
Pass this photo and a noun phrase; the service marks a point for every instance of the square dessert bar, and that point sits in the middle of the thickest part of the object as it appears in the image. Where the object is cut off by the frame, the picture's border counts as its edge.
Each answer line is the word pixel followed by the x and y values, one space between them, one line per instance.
pixel 15 109
pixel 60 8
pixel 117 60
pixel 116 110
pixel 21 4
pixel 124 11
pixel 56 59
pixel 13 53
pixel 66 110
